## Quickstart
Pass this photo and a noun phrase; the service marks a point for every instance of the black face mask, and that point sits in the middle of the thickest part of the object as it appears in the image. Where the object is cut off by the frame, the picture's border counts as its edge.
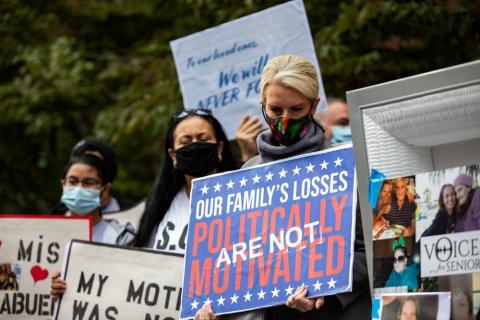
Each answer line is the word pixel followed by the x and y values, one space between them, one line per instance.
pixel 197 159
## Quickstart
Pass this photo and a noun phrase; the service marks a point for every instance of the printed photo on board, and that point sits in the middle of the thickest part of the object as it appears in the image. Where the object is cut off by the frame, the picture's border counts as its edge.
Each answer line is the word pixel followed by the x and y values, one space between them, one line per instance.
pixel 396 266
pixel 9 272
pixel 448 201
pixel 394 214
pixel 413 306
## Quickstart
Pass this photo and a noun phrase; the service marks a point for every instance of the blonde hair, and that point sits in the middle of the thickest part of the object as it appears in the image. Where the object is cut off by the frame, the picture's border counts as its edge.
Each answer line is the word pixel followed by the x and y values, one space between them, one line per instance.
pixel 293 72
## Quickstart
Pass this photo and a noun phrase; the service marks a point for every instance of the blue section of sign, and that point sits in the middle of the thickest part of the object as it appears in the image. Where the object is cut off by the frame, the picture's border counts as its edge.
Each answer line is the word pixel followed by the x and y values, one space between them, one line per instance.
pixel 257 234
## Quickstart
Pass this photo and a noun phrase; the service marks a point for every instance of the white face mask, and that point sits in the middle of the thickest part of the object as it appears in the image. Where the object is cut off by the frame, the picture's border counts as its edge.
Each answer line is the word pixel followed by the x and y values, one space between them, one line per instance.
pixel 81 200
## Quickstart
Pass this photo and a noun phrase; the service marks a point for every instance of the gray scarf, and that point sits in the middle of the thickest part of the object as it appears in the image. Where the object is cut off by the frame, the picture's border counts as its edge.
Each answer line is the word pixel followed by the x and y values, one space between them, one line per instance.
pixel 269 151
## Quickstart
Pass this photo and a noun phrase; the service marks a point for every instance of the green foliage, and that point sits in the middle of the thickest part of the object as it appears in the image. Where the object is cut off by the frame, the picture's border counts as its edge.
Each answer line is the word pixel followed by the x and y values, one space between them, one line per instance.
pixel 75 69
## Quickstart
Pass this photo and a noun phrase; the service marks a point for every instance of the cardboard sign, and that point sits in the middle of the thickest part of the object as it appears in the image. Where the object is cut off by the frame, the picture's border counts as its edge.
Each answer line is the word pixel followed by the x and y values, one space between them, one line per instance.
pixel 448 254
pixel 257 234
pixel 31 250
pixel 220 68
pixel 425 306
pixel 111 282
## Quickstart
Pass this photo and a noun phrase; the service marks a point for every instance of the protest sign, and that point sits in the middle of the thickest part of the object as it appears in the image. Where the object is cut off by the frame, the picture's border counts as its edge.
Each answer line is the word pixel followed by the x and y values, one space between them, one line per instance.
pixel 31 250
pixel 220 68
pixel 450 254
pixel 256 234
pixel 111 282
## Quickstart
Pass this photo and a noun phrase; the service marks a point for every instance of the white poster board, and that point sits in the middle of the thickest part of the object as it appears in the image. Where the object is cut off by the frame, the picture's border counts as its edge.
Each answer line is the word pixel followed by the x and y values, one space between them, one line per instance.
pixel 110 282
pixel 220 68
pixel 31 250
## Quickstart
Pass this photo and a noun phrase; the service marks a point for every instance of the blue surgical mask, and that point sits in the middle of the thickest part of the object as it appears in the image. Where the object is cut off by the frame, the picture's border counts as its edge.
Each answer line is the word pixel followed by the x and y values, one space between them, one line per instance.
pixel 80 200
pixel 341 134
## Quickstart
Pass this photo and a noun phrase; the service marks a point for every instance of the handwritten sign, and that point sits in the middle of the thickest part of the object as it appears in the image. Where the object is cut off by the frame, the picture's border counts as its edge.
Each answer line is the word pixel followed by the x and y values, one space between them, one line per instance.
pixel 31 249
pixel 449 254
pixel 220 68
pixel 111 282
pixel 257 234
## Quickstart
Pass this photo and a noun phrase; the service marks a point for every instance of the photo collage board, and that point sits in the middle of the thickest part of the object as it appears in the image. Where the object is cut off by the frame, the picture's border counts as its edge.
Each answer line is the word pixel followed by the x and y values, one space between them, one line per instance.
pixel 426 239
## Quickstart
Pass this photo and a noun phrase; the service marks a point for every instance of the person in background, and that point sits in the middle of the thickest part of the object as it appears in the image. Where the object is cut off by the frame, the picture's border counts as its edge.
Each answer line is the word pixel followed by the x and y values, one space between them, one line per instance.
pixel 195 146
pixel 336 121
pixel 103 151
pixel 289 97
pixel 246 136
pixel 468 217
pixel 444 220
pixel 402 274
pixel 83 183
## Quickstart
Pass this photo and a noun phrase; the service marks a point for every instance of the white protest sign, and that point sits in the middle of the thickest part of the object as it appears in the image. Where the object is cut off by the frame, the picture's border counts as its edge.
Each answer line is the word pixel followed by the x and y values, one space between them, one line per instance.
pixel 449 254
pixel 220 68
pixel 110 282
pixel 31 250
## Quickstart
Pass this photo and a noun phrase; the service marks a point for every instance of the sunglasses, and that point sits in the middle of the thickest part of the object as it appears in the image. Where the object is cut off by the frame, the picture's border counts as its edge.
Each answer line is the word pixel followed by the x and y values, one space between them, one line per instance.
pixel 192 112
pixel 400 259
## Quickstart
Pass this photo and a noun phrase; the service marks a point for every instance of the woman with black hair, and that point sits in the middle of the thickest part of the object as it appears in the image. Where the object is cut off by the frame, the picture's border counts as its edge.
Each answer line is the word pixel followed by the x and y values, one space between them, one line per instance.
pixel 83 182
pixel 444 220
pixel 195 146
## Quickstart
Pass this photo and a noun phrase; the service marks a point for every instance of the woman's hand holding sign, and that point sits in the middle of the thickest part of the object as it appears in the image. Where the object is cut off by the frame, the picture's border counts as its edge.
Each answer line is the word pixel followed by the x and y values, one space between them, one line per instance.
pixel 57 287
pixel 205 313
pixel 300 301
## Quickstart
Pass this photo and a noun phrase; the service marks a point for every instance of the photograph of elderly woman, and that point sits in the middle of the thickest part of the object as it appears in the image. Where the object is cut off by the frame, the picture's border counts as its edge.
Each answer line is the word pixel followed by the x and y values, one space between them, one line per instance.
pixel 394 213
pixel 448 201
pixel 396 265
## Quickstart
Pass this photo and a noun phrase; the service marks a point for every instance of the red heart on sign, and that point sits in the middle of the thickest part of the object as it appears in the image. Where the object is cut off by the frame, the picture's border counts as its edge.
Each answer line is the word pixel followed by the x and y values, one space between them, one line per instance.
pixel 38 273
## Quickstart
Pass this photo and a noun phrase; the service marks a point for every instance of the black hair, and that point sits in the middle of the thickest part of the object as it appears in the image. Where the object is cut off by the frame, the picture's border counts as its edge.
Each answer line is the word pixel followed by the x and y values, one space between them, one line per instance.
pixel 92 161
pixel 169 180
pixel 104 149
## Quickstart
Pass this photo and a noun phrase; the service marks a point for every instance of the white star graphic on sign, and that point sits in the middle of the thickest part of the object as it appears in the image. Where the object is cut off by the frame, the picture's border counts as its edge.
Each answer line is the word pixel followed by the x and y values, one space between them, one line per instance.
pixel 275 292
pixel 338 162
pixel 324 165
pixel 221 300
pixel 331 283
pixel 230 184
pixel 310 167
pixel 317 285
pixel 256 179
pixel 248 296
pixel 234 298
pixel 283 173
pixel 296 171
pixel 289 291
pixel 243 182
pixel 217 187
pixel 261 295
pixel 208 301
pixel 269 176
pixel 194 304
pixel 204 189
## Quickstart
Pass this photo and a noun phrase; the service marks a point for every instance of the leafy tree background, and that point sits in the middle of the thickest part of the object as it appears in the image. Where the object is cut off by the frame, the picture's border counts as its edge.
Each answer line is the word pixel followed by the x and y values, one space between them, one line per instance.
pixel 74 69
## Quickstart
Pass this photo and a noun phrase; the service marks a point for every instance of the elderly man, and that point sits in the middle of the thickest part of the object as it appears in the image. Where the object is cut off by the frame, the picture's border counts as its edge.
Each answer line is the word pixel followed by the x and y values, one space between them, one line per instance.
pixel 402 208
pixel 336 121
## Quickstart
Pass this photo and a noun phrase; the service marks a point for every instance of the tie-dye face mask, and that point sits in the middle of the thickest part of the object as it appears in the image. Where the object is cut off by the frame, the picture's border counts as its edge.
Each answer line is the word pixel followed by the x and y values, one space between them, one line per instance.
pixel 288 131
